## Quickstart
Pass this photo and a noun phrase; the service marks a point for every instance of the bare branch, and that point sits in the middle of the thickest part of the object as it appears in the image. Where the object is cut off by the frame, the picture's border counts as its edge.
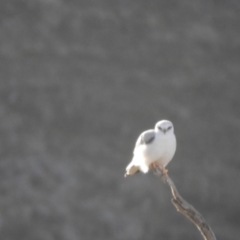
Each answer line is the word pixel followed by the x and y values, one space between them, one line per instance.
pixel 187 209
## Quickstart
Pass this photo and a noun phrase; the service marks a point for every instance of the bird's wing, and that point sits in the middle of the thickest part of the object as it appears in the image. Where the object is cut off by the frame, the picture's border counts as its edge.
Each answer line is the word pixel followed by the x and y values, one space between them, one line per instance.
pixel 146 137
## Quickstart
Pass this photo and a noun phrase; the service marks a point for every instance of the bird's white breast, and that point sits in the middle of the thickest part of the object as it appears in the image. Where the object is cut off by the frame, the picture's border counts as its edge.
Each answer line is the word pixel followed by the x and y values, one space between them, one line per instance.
pixel 161 150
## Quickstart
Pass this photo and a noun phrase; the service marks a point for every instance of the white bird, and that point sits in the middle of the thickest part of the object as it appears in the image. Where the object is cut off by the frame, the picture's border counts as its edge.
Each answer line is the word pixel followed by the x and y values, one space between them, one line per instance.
pixel 154 148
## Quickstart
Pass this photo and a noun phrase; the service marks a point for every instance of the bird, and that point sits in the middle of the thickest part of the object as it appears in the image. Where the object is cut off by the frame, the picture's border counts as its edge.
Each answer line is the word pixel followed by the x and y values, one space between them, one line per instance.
pixel 154 149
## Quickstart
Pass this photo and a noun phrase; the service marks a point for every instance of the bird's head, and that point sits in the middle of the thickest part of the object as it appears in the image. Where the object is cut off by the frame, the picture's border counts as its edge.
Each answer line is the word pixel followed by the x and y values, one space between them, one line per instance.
pixel 164 126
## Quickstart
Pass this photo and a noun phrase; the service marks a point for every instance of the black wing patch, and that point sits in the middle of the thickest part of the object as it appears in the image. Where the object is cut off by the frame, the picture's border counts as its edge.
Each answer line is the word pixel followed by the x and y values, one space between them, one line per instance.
pixel 147 141
pixel 147 137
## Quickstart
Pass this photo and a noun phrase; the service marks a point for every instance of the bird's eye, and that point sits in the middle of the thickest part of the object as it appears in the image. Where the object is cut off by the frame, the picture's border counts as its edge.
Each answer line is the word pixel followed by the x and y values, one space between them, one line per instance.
pixel 169 127
pixel 160 128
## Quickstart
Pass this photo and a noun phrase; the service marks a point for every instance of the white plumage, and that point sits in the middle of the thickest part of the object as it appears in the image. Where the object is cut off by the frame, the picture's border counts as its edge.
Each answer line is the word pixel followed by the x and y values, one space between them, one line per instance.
pixel 153 147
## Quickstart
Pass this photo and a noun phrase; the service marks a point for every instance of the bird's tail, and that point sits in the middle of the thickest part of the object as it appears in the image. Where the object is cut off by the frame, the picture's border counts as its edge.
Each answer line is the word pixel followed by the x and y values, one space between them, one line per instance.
pixel 131 169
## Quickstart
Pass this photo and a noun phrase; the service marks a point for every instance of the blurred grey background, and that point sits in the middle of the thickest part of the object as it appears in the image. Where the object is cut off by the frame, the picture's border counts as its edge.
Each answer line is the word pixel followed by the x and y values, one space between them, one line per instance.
pixel 80 80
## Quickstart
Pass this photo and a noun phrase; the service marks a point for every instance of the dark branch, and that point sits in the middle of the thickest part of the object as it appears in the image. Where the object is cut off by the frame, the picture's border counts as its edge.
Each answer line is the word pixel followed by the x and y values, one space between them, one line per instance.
pixel 187 209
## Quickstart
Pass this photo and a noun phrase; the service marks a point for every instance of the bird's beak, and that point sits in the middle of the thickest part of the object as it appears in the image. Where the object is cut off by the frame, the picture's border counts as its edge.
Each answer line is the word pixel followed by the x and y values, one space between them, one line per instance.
pixel 164 131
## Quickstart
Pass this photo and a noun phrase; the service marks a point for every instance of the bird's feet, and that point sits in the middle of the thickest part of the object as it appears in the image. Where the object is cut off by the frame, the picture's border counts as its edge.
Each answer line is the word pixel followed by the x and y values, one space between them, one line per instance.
pixel 164 171
pixel 159 169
